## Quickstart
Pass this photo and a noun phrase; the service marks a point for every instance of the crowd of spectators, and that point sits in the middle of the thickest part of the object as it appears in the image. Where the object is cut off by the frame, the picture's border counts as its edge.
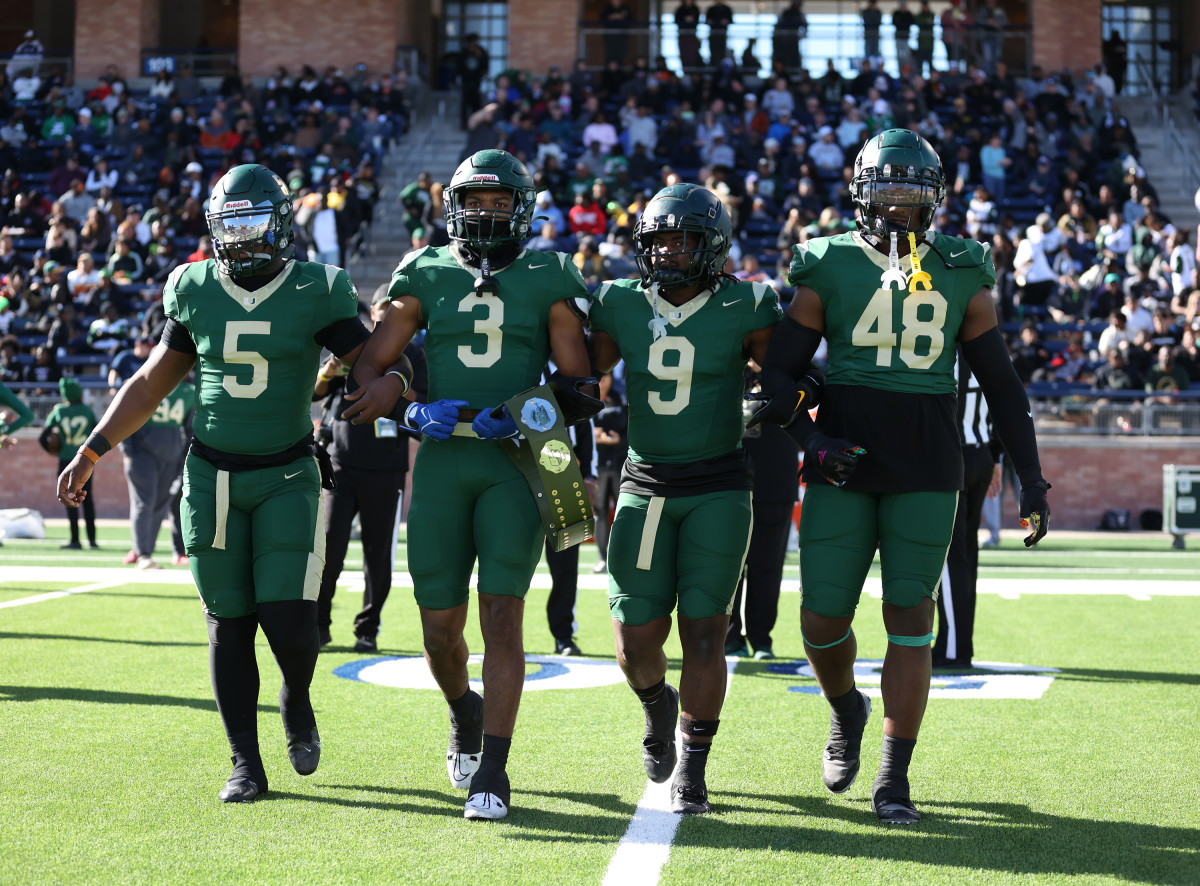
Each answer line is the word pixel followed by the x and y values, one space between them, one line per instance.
pixel 104 192
pixel 1043 167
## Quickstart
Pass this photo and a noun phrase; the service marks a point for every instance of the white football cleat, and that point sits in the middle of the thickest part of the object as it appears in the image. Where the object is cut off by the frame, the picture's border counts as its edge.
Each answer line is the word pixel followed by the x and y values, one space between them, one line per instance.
pixel 461 768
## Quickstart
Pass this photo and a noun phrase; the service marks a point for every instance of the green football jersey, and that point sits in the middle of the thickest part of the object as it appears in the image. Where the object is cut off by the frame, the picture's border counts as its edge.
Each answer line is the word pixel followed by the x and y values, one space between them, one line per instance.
pixel 173 411
pixel 486 348
pixel 890 338
pixel 256 359
pixel 684 388
pixel 74 422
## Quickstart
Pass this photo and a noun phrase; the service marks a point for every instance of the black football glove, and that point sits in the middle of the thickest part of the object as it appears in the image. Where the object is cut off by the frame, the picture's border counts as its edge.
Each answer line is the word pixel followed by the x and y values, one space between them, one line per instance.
pixel 782 407
pixel 1035 510
pixel 835 458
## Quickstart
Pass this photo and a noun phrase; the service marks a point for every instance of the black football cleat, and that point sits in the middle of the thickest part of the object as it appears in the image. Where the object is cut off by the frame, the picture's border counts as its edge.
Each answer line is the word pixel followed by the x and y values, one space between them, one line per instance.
pixel 659 753
pixel 239 789
pixel 841 760
pixel 690 799
pixel 305 752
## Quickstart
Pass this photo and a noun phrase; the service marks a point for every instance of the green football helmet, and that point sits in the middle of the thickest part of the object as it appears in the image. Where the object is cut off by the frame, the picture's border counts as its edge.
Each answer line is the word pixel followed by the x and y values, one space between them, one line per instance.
pixel 707 228
pixel 250 219
pixel 492 169
pixel 897 168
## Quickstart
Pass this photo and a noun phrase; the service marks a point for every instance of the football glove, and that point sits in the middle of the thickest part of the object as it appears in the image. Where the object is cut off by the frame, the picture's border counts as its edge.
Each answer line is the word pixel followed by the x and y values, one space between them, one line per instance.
pixel 782 407
pixel 495 424
pixel 574 397
pixel 833 457
pixel 436 420
pixel 1035 511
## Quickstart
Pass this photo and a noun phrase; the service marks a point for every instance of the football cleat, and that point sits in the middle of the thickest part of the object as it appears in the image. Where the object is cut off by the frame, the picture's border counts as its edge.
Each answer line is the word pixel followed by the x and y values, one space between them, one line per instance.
pixel 840 762
pixel 305 754
pixel 465 751
pixel 180 560
pixel 690 799
pixel 147 563
pixel 892 804
pixel 492 801
pixel 366 644
pixel 239 789
pixel 659 753
pixel 129 559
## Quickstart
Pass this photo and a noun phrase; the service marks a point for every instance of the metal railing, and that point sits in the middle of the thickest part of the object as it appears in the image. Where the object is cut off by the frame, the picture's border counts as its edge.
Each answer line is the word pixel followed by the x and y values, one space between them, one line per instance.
pixel 842 42
pixel 13 64
pixel 1118 413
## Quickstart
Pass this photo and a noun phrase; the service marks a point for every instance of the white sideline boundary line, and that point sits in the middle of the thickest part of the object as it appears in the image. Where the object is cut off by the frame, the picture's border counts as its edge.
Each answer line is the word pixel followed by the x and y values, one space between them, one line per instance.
pixel 646 845
pixel 54 595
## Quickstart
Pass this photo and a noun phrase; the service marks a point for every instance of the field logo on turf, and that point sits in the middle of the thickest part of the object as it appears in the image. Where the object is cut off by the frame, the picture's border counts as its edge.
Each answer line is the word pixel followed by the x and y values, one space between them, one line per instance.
pixel 987 679
pixel 553 672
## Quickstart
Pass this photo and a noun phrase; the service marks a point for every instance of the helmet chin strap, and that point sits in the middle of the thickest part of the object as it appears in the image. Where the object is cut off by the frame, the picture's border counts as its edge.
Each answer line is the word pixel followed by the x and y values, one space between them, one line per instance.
pixel 658 325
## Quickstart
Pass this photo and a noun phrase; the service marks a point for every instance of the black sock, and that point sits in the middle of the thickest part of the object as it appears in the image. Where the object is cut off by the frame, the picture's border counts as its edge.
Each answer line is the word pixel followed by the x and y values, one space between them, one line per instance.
pixel 847 704
pixel 247 762
pixel 291 629
pixel 495 759
pixel 466 722
pixel 234 672
pixel 692 762
pixel 893 768
pixel 651 695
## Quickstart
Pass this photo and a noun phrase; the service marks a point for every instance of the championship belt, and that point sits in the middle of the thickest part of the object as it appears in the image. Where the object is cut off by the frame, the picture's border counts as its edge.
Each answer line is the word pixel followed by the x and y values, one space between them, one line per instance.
pixel 544 455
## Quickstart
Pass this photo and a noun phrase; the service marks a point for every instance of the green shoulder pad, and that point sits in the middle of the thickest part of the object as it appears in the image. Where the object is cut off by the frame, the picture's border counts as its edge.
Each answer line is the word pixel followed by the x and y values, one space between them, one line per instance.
pixel 968 254
pixel 805 258
pixel 401 284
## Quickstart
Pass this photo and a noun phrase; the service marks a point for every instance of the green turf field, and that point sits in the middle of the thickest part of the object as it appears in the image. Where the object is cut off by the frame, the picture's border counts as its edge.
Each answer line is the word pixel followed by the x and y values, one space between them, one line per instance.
pixel 111 752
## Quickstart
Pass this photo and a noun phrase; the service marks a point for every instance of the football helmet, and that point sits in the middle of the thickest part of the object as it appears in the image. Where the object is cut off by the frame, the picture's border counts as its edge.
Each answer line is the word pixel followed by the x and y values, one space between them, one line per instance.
pixel 707 229
pixel 492 169
pixel 250 219
pixel 897 168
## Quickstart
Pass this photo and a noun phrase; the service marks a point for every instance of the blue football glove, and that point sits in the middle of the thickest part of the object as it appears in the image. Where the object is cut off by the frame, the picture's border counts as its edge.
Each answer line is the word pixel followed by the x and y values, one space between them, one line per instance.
pixel 436 420
pixel 495 424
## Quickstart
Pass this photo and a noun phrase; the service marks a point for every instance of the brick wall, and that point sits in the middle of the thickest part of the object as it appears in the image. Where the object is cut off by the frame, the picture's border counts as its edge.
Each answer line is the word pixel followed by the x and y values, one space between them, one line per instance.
pixel 108 32
pixel 1066 33
pixel 28 479
pixel 1089 476
pixel 295 32
pixel 542 34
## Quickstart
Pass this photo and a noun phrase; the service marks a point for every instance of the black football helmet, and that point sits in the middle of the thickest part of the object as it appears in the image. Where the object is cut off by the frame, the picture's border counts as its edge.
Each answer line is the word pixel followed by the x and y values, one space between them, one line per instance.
pixel 897 168
pixel 250 219
pixel 707 228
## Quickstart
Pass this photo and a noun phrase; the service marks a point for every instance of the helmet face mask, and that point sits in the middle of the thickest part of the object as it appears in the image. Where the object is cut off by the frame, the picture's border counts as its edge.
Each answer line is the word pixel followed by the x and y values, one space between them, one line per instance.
pixel 250 220
pixel 706 231
pixel 898 184
pixel 484 224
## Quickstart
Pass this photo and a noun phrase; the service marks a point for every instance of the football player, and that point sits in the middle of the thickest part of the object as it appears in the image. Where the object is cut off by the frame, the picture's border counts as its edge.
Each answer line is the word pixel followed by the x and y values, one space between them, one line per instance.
pixel 69 424
pixel 882 462
pixel 253 321
pixel 493 313
pixel 683 519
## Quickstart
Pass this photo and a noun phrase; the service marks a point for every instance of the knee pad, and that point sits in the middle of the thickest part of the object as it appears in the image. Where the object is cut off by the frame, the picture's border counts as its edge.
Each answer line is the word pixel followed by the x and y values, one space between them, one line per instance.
pixel 698 728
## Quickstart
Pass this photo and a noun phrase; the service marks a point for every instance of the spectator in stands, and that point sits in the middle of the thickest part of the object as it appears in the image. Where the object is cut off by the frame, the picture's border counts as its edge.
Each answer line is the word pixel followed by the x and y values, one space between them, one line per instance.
pixel 1165 332
pixel 1137 318
pixel 1166 377
pixel 1030 356
pixel 11 369
pixel 204 250
pixel 10 259
pixel 62 329
pixel 416 200
pixel 100 176
pixel 547 210
pixel 76 201
pixel 587 216
pixel 161 261
pixel 125 264
pixel 1032 264
pixel 163 88
pixel 1187 356
pixel 1116 374
pixel 1116 335
pixel 187 87
pixel 84 135
pixel 23 220
pixel 1148 290
pixel 547 238
pixel 45 371
pixel 591 263
pixel 84 279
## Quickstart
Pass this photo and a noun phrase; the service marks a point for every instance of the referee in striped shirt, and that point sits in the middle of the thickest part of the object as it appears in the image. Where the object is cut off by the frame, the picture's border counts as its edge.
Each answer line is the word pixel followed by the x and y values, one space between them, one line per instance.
pixel 953 647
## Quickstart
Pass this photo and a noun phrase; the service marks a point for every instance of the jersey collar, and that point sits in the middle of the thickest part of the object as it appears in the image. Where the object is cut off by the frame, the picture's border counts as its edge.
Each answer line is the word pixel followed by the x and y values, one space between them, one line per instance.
pixel 676 314
pixel 252 299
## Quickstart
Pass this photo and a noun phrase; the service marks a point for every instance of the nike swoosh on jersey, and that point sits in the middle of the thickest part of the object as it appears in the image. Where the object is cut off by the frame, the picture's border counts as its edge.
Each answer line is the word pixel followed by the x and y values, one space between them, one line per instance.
pixel 290 476
pixel 726 304
pixel 535 267
pixel 302 285
pixel 957 254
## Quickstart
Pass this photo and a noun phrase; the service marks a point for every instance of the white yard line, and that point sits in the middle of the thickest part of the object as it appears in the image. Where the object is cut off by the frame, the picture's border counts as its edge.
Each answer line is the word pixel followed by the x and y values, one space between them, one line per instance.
pixel 646 845
pixel 54 595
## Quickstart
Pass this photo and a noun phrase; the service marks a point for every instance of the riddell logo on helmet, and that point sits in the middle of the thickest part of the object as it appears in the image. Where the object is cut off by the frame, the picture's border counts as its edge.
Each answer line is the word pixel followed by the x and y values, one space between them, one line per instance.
pixel 238 204
pixel 485 177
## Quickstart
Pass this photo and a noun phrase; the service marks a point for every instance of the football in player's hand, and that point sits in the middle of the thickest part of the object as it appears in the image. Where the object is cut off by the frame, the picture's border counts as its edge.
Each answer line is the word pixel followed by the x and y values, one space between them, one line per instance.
pixel 53 442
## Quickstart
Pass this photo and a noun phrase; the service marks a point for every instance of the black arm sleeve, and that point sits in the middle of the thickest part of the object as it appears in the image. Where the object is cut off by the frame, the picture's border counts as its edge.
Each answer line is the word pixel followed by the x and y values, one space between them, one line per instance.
pixel 577 405
pixel 789 355
pixel 176 337
pixel 1007 403
pixel 342 336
